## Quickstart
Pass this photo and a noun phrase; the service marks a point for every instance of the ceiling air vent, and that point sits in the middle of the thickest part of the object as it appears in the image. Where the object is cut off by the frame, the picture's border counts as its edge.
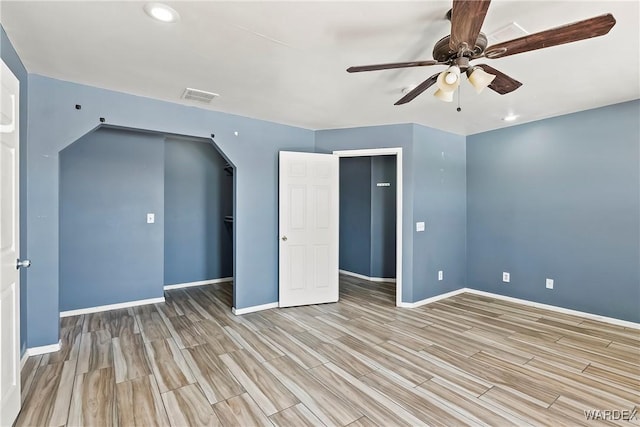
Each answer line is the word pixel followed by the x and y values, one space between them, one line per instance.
pixel 508 32
pixel 199 95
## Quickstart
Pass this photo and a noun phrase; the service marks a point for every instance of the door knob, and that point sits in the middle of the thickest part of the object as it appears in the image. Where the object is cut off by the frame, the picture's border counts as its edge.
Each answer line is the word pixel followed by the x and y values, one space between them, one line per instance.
pixel 25 263
pixel 284 238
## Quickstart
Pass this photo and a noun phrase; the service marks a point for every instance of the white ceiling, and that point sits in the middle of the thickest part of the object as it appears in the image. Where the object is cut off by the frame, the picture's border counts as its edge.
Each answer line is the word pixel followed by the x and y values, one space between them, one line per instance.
pixel 285 61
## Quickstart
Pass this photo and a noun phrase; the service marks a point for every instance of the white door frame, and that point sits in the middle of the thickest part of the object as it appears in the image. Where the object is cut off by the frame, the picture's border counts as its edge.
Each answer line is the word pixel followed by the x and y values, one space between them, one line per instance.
pixel 388 152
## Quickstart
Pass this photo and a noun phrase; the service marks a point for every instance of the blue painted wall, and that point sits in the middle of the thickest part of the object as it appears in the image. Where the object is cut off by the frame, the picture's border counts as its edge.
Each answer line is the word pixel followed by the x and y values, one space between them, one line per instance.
pixel 559 198
pixel 440 201
pixel 355 215
pixel 368 216
pixel 383 217
pixel 109 180
pixel 54 124
pixel 198 194
pixel 10 57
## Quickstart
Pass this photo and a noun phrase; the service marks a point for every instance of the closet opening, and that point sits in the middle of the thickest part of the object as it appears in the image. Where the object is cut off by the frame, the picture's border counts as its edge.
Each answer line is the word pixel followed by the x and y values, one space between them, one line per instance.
pixel 142 212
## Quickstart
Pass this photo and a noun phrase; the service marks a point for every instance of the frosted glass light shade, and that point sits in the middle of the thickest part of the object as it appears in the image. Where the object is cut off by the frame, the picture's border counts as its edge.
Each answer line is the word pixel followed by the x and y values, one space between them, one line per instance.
pixel 479 78
pixel 446 96
pixel 446 76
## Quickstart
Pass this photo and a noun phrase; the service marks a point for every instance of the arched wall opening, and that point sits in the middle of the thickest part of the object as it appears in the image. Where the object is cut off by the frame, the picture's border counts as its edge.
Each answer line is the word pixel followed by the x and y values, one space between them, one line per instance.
pixel 141 211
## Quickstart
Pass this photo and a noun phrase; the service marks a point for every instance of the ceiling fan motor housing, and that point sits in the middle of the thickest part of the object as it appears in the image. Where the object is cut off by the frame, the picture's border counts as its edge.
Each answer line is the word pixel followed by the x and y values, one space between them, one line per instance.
pixel 443 53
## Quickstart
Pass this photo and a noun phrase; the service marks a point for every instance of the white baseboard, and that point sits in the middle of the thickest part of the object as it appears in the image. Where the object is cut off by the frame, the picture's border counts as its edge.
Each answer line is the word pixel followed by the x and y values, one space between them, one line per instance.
pixel 370 279
pixel 382 279
pixel 23 359
pixel 200 283
pixel 254 308
pixel 111 307
pixel 432 299
pixel 591 316
pixel 563 310
pixel 43 349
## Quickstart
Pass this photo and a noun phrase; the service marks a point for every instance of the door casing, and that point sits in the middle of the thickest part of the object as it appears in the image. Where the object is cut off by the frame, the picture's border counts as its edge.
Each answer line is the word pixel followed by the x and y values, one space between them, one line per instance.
pixel 396 151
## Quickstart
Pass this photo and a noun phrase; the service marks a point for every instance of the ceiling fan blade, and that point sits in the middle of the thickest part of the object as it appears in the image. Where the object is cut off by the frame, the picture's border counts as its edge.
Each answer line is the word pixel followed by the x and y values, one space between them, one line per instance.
pixel 418 89
pixel 502 83
pixel 585 29
pixel 391 66
pixel 467 17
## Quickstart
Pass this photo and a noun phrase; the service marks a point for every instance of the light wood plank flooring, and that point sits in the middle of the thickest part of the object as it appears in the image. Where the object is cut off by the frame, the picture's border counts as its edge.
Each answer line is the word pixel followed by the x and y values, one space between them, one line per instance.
pixel 466 360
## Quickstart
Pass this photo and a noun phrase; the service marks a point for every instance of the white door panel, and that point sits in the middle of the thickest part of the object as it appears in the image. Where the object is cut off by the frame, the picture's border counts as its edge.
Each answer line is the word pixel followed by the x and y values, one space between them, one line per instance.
pixel 308 228
pixel 9 248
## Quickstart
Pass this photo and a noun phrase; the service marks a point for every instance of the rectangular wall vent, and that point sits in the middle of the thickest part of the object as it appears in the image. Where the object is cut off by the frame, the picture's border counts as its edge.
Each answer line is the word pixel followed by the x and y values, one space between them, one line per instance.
pixel 508 32
pixel 199 95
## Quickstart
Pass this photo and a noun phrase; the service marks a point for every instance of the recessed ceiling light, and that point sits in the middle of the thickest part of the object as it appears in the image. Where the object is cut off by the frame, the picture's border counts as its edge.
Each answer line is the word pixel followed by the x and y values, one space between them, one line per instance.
pixel 510 118
pixel 161 12
pixel 405 90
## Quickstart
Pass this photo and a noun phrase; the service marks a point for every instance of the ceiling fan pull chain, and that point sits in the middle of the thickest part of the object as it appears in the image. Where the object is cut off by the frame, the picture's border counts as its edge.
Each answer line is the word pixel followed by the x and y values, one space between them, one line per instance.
pixel 458 109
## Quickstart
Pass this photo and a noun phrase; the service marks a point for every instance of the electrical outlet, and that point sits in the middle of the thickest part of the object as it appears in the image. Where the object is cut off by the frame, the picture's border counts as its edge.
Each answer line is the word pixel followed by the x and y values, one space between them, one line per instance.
pixel 549 283
pixel 506 277
pixel 151 218
pixel 440 275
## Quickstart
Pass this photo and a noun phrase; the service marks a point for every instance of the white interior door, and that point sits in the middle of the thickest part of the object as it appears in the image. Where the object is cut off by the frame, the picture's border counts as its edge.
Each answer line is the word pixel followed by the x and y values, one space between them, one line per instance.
pixel 9 249
pixel 309 217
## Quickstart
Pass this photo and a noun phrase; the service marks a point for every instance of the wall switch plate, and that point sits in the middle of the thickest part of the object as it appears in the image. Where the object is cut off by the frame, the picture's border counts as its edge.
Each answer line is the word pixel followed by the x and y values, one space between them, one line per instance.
pixel 549 283
pixel 420 226
pixel 440 275
pixel 151 218
pixel 506 277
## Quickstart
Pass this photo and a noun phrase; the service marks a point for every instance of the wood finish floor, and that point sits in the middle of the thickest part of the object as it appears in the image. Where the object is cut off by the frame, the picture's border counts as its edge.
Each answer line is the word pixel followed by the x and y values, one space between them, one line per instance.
pixel 466 360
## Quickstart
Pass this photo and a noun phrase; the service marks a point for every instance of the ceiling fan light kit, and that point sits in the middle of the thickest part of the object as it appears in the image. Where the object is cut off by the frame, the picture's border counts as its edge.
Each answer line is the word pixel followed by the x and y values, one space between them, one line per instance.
pixel 449 80
pixel 446 96
pixel 479 78
pixel 452 75
pixel 466 43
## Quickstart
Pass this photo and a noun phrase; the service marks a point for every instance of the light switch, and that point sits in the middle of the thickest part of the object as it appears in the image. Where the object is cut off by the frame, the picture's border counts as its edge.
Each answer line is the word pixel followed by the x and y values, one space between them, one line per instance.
pixel 420 226
pixel 151 218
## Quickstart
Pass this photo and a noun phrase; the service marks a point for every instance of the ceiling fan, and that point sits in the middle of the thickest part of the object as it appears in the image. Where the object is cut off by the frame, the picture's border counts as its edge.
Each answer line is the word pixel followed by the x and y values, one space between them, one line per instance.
pixel 466 43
